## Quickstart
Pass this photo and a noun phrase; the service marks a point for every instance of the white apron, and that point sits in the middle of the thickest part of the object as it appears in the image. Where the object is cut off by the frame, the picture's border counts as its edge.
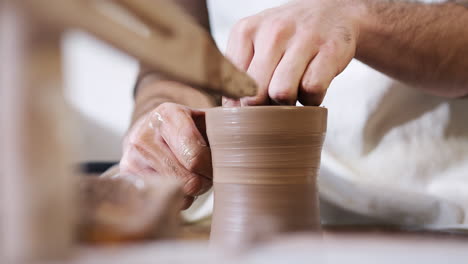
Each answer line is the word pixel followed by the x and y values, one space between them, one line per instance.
pixel 392 153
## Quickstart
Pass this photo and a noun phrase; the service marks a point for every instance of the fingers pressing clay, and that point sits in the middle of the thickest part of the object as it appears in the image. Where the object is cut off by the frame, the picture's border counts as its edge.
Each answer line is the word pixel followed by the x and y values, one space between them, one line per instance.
pixel 183 138
pixel 317 78
pixel 240 50
pixel 269 47
pixel 285 82
pixel 148 156
pixel 167 142
pixel 276 46
pixel 142 149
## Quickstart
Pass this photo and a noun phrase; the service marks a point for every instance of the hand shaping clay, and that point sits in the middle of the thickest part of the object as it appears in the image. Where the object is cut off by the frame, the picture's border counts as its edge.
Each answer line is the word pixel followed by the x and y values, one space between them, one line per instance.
pixel 119 207
pixel 265 163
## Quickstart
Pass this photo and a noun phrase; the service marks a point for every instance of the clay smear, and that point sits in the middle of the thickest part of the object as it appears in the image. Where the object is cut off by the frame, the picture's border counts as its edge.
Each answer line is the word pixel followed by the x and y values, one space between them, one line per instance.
pixel 265 163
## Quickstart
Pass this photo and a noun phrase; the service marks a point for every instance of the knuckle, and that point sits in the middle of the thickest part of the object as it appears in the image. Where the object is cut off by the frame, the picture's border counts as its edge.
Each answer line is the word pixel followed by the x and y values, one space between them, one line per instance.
pixel 166 108
pixel 134 134
pixel 163 120
pixel 282 96
pixel 137 142
pixel 245 26
pixel 280 29
pixel 311 39
pixel 311 86
pixel 134 139
pixel 197 159
pixel 310 36
pixel 138 138
pixel 135 161
pixel 330 47
pixel 192 185
pixel 191 162
pixel 279 24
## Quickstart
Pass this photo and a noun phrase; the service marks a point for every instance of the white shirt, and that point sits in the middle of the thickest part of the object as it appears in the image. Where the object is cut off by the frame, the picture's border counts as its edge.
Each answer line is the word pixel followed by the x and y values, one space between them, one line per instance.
pixel 392 152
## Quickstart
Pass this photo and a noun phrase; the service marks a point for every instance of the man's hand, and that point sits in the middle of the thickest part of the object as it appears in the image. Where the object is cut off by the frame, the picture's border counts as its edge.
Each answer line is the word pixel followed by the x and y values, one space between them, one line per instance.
pixel 294 51
pixel 170 141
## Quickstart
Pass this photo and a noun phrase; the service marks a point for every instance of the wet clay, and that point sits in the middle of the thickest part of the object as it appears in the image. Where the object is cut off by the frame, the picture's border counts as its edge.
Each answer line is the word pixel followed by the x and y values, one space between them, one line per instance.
pixel 265 163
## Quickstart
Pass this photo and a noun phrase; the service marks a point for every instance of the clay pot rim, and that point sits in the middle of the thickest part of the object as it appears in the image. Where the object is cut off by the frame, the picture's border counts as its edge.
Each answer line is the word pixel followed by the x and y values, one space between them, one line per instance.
pixel 266 107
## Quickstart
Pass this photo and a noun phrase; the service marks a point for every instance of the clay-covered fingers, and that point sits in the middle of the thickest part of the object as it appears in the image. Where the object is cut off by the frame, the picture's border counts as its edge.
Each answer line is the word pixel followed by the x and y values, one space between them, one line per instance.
pixel 168 143
pixel 269 47
pixel 178 129
pixel 294 51
pixel 240 50
pixel 257 48
pixel 320 72
pixel 192 156
pixel 240 47
pixel 283 88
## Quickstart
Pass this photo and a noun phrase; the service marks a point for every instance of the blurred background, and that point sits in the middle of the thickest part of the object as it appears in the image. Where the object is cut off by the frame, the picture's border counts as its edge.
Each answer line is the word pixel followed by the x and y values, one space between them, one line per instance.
pixel 99 82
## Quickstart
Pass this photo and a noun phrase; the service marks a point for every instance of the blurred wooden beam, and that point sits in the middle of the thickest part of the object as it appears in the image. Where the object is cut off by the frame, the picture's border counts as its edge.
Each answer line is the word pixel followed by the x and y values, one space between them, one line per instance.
pixel 36 184
pixel 176 44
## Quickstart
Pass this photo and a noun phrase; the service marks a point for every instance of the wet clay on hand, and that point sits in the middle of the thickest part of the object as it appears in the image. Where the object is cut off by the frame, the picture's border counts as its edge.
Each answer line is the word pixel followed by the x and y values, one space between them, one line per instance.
pixel 265 163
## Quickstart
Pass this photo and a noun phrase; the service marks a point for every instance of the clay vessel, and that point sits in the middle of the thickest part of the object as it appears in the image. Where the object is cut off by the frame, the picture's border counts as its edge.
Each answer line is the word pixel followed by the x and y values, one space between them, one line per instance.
pixel 265 163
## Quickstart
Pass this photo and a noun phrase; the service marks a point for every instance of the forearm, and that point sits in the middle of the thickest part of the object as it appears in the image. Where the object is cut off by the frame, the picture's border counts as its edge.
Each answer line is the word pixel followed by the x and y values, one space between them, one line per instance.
pixel 425 45
pixel 154 90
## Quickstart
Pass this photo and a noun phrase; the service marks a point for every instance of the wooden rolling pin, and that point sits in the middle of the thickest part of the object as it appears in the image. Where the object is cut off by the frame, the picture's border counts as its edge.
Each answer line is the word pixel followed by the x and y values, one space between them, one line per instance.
pixel 173 43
